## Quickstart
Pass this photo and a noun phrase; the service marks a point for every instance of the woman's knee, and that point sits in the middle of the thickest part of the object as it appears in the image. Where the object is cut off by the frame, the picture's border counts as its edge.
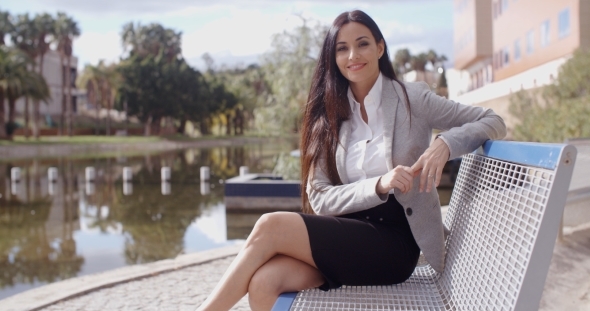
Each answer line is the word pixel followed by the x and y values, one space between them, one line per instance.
pixel 269 225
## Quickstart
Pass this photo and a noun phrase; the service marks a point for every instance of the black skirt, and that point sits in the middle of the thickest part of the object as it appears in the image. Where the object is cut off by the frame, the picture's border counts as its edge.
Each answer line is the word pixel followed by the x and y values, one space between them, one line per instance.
pixel 371 247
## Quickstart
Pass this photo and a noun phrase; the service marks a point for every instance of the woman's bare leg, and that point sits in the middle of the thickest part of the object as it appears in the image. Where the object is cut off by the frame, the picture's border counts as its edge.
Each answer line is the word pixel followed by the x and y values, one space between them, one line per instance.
pixel 278 275
pixel 279 233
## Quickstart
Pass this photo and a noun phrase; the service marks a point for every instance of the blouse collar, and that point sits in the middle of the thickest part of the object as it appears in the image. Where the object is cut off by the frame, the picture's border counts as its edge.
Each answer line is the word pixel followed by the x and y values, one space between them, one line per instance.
pixel 374 96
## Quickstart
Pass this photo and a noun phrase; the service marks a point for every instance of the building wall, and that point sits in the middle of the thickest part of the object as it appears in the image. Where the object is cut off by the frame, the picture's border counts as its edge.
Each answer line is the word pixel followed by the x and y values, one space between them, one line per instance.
pixel 472 32
pixel 584 18
pixel 53 75
pixel 514 20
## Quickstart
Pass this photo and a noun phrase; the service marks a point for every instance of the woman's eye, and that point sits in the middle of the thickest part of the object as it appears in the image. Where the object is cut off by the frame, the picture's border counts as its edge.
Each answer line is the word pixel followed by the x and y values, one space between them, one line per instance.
pixel 363 43
pixel 342 48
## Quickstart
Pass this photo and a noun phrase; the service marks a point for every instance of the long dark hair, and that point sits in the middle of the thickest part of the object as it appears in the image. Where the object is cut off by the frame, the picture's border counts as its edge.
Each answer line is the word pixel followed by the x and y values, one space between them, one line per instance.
pixel 327 105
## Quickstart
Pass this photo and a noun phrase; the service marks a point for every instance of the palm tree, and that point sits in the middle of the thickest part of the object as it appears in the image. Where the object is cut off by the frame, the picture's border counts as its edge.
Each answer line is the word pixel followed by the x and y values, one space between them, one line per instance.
pixel 434 58
pixel 16 81
pixel 65 30
pixel 400 60
pixel 23 36
pixel 44 28
pixel 4 60
pixel 6 26
pixel 102 83
pixel 90 80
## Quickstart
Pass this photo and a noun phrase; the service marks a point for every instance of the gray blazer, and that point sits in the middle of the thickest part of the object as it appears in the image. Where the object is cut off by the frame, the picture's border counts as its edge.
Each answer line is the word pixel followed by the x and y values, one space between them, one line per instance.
pixel 465 129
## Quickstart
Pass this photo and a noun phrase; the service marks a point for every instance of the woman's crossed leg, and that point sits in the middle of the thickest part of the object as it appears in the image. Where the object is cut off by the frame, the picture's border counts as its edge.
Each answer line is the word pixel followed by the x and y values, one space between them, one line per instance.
pixel 275 258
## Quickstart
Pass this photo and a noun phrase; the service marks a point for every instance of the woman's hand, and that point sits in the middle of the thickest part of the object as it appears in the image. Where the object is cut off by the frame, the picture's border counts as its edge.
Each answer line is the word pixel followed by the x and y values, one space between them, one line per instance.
pixel 400 177
pixel 430 164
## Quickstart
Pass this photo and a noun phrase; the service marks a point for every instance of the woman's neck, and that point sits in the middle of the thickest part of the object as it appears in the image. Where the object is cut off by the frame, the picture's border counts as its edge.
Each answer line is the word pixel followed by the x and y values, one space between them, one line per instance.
pixel 361 89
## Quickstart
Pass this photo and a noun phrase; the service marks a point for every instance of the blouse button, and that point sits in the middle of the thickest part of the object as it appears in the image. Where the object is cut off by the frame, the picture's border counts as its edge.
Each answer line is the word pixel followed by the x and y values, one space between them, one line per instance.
pixel 367 217
pixel 409 211
pixel 380 219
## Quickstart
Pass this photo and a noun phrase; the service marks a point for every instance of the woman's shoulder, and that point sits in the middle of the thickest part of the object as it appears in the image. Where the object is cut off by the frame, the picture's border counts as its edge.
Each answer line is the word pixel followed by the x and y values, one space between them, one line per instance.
pixel 414 89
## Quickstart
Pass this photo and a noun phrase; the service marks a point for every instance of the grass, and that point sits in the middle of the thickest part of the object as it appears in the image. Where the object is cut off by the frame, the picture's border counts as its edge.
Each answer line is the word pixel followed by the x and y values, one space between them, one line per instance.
pixel 54 140
pixel 91 139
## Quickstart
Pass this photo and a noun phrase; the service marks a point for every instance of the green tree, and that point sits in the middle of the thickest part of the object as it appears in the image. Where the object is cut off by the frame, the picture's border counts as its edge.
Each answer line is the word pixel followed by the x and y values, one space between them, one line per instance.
pixel 102 83
pixel 24 36
pixel 6 25
pixel 65 31
pixel 151 39
pixel 288 71
pixel 250 89
pixel 563 107
pixel 401 61
pixel 16 80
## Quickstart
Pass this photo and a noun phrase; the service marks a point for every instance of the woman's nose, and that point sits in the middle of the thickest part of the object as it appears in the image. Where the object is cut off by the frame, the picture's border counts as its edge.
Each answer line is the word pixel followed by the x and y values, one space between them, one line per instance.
pixel 353 54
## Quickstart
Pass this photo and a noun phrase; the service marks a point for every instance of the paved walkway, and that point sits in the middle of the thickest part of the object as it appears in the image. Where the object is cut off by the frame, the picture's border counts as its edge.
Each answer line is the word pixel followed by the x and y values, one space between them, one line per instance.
pixel 184 288
pixel 181 290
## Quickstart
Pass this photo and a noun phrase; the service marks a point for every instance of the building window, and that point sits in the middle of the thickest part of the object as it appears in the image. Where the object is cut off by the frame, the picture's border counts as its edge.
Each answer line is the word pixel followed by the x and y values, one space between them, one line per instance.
pixel 545 33
pixel 564 23
pixel 517 50
pixel 530 41
pixel 504 5
pixel 505 56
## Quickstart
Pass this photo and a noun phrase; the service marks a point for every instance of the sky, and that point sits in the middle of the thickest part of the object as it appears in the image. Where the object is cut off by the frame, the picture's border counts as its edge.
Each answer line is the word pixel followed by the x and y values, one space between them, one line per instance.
pixel 236 32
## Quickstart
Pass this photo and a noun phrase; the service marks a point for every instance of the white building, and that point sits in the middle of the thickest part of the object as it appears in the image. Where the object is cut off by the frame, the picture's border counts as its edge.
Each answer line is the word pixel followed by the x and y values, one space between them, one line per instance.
pixel 53 75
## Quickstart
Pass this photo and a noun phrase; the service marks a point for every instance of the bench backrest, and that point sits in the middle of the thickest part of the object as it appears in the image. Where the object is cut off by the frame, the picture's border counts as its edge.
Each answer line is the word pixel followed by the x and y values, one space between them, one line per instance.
pixel 504 216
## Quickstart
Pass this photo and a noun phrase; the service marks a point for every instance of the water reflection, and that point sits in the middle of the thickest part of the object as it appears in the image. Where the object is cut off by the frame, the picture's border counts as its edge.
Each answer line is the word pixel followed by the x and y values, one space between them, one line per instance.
pixel 71 221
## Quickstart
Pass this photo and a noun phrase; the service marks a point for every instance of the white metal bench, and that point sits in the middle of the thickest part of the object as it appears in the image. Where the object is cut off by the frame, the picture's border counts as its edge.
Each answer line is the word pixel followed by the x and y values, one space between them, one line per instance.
pixel 503 218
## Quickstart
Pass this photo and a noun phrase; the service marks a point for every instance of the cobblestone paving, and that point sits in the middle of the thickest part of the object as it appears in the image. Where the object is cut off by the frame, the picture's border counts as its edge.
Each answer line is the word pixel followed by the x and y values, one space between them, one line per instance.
pixel 184 289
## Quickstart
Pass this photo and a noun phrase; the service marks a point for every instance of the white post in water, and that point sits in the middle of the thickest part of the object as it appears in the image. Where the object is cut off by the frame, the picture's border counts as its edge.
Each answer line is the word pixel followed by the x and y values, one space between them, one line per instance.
pixel 127 188
pixel 205 173
pixel 52 174
pixel 205 187
pixel 127 174
pixel 15 174
pixel 14 188
pixel 90 187
pixel 244 170
pixel 51 188
pixel 90 174
pixel 165 172
pixel 166 189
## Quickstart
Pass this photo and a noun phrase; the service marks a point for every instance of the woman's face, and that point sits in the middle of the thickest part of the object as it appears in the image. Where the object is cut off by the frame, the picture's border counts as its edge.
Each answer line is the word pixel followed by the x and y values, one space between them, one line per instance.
pixel 357 53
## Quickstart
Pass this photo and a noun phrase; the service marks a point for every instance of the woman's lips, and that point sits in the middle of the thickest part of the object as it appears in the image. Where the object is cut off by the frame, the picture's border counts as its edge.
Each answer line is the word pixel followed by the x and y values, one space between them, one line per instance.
pixel 356 67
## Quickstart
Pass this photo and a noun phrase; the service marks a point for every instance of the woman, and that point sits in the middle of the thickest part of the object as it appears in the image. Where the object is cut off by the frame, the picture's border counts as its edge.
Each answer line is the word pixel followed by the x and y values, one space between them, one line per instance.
pixel 368 175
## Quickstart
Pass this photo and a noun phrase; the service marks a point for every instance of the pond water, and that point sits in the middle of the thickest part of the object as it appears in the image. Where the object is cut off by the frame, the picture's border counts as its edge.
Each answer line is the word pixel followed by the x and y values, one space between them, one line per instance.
pixel 50 231
pixel 53 231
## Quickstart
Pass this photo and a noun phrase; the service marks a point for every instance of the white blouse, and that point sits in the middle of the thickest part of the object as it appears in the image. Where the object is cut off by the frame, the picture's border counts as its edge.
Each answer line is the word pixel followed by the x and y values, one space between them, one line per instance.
pixel 365 156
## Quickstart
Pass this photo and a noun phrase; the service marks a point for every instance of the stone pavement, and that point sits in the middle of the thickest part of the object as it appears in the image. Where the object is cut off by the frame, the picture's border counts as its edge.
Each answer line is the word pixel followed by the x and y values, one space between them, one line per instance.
pixel 180 290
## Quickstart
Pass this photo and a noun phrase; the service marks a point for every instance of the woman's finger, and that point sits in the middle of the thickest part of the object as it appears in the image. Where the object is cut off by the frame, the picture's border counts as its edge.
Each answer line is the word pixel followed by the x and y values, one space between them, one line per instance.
pixel 433 178
pixel 424 176
pixel 409 177
pixel 438 175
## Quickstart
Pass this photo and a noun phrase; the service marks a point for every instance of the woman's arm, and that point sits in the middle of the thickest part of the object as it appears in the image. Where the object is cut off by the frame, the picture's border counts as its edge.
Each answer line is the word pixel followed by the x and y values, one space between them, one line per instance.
pixel 465 127
pixel 328 199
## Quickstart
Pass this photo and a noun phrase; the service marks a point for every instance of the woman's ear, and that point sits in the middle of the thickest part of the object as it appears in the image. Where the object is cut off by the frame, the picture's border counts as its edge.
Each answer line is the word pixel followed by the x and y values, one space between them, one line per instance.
pixel 381 48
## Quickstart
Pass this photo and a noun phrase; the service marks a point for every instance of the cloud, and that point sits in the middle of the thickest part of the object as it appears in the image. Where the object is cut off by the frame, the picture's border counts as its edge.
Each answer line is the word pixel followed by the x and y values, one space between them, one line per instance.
pixel 160 7
pixel 241 33
pixel 93 46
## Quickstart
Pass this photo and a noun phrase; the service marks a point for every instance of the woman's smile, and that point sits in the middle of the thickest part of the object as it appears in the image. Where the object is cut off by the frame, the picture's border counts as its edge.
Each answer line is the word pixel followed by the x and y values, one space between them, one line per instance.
pixel 356 67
